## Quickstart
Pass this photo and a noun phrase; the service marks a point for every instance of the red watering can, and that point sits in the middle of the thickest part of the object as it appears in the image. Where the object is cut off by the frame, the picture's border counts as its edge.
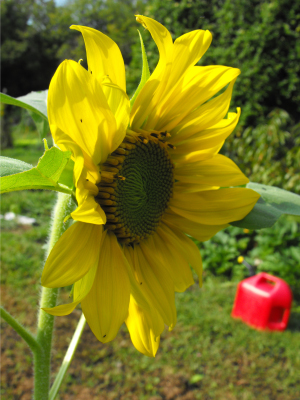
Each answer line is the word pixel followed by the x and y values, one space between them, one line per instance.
pixel 264 302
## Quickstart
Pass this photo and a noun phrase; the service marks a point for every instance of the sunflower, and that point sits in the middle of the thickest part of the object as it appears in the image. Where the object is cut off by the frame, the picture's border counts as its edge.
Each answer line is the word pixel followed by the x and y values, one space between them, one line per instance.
pixel 147 180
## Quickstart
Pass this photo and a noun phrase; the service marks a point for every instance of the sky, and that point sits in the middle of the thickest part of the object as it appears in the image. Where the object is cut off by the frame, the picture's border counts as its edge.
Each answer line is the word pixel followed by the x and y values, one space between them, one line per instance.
pixel 60 2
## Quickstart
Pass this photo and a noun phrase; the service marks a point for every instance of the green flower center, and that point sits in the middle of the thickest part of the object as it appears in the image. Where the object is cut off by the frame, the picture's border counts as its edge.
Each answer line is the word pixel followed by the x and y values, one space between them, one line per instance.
pixel 136 186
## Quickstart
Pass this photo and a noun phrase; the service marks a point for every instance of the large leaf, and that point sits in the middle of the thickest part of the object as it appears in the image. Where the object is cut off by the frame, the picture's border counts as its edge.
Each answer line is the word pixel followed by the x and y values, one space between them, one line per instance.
pixel 10 166
pixel 145 73
pixel 33 101
pixel 44 176
pixel 284 201
pixel 273 203
pixel 41 124
pixel 36 105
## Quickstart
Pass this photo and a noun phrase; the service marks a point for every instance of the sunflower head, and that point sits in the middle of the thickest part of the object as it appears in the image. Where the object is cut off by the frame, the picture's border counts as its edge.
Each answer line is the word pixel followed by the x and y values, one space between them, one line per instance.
pixel 147 180
pixel 136 200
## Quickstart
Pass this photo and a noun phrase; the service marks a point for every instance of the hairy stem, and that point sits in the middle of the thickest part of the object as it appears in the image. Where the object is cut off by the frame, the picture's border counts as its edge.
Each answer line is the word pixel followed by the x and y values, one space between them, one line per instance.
pixel 48 300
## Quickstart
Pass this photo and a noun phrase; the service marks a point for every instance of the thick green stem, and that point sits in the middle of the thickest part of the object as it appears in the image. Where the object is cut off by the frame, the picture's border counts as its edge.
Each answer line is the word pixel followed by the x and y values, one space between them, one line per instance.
pixel 63 189
pixel 48 299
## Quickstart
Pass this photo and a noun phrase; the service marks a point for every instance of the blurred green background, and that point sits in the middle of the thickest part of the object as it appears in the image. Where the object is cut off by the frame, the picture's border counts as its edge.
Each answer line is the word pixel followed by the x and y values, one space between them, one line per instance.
pixel 208 355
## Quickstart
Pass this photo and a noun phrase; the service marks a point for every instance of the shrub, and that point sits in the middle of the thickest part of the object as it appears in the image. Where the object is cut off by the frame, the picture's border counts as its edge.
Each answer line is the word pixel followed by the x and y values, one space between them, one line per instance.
pixel 269 153
pixel 274 250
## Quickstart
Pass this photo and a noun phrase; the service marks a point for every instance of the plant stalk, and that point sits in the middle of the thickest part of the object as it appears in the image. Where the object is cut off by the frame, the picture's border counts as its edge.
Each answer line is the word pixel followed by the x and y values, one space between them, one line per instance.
pixel 48 299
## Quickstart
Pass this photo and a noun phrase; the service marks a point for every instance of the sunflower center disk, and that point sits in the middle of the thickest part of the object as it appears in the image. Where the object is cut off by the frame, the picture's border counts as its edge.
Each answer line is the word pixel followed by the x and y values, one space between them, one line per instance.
pixel 136 186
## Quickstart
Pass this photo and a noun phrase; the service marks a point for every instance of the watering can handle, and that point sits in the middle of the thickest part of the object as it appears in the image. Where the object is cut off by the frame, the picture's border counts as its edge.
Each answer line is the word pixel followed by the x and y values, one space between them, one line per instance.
pixel 282 324
pixel 266 277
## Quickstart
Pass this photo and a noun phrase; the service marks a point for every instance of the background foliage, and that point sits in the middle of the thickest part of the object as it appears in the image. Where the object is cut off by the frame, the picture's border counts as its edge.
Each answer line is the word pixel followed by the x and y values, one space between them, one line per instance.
pixel 260 37
pixel 268 153
pixel 36 37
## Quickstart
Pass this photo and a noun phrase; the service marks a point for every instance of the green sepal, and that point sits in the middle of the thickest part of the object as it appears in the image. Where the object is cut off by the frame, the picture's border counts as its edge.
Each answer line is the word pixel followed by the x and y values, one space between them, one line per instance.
pixel 16 175
pixel 66 177
pixel 45 144
pixel 145 73
pixel 36 105
pixel 273 203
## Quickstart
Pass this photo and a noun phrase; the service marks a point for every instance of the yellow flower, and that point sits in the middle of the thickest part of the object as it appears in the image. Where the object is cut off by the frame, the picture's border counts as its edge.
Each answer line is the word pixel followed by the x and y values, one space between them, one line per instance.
pixel 144 179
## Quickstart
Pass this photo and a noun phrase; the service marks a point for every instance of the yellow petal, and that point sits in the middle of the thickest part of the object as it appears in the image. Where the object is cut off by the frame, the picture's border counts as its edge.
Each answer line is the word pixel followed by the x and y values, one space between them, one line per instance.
pixel 63 309
pixel 203 117
pixel 209 141
pixel 184 245
pixel 140 325
pixel 195 156
pixel 173 260
pixel 159 287
pixel 199 84
pixel 144 322
pixel 84 166
pixel 120 106
pixel 217 171
pixel 187 51
pixel 155 282
pixel 193 188
pixel 144 102
pixel 160 35
pixel 137 290
pixel 208 138
pixel 81 289
pixel 106 305
pixel 140 293
pixel 78 107
pixel 198 231
pixel 89 212
pixel 73 255
pixel 66 144
pixel 216 207
pixel 103 55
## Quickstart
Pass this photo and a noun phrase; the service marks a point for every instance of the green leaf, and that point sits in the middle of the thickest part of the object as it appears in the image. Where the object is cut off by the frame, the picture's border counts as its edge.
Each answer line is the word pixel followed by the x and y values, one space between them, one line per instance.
pixel 36 105
pixel 145 73
pixel 44 176
pixel 262 216
pixel 41 124
pixel 66 177
pixel 10 166
pixel 273 203
pixel 33 101
pixel 284 201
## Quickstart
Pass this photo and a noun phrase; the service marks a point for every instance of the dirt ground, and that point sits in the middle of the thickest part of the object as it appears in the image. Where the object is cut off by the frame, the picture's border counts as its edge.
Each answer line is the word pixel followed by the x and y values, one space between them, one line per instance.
pixel 17 371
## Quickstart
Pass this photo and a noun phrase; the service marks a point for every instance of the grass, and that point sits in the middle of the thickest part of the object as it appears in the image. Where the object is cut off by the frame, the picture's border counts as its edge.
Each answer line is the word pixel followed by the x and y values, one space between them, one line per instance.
pixel 22 247
pixel 207 356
